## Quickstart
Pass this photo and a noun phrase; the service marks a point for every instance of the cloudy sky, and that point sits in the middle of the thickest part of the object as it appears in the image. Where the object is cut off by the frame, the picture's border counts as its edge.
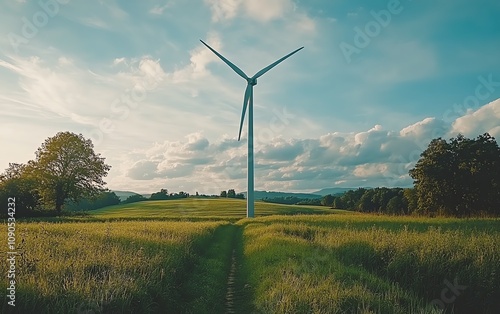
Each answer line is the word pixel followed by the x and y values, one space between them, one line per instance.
pixel 377 81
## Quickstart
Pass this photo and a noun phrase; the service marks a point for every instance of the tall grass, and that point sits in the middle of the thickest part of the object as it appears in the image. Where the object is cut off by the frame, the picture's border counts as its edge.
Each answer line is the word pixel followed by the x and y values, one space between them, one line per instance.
pixel 118 267
pixel 372 264
pixel 171 258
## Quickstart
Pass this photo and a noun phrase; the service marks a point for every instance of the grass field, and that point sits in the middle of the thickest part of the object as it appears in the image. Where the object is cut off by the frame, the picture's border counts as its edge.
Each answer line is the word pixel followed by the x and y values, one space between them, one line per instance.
pixel 191 208
pixel 203 256
pixel 372 264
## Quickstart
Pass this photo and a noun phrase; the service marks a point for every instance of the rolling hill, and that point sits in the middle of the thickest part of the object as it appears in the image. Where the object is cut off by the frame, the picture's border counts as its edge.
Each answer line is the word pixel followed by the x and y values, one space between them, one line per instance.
pixel 202 208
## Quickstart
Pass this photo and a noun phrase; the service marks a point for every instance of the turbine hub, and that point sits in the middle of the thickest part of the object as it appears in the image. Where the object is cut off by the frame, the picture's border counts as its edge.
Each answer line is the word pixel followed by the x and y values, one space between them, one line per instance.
pixel 252 81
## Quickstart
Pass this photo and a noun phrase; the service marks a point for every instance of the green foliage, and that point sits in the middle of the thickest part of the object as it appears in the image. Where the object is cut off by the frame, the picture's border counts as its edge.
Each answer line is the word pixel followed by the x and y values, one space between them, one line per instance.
pixel 411 198
pixel 67 168
pixel 327 200
pixel 378 200
pixel 240 196
pixel 309 201
pixel 163 195
pixel 18 182
pixel 134 198
pixel 103 199
pixel 460 177
pixel 231 193
pixel 292 200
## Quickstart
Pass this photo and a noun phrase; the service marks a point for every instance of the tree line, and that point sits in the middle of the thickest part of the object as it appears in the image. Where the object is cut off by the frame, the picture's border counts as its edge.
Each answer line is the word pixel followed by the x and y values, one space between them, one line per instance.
pixel 292 200
pixel 231 193
pixel 395 201
pixel 459 177
pixel 109 198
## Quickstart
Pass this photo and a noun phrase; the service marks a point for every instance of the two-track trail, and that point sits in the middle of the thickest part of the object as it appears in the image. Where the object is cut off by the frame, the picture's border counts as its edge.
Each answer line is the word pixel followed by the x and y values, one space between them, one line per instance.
pixel 231 285
pixel 238 293
pixel 214 281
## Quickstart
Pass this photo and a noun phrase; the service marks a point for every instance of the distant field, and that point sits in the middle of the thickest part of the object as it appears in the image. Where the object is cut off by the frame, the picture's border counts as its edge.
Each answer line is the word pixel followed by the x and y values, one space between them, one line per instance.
pixel 203 208
pixel 203 256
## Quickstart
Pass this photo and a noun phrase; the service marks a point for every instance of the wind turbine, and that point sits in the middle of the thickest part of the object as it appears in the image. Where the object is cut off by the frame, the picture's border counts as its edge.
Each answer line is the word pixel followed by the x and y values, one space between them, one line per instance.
pixel 248 100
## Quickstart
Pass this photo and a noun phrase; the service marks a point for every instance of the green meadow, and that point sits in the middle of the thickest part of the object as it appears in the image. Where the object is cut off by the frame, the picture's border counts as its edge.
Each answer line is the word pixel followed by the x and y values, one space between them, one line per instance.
pixel 200 208
pixel 204 256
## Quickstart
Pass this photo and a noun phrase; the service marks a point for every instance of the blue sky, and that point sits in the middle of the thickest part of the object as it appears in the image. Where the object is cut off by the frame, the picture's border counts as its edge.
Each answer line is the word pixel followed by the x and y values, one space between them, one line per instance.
pixel 377 81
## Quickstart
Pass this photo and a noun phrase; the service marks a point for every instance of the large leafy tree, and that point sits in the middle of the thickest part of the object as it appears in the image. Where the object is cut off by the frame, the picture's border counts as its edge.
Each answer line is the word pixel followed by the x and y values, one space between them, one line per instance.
pixel 68 169
pixel 460 178
pixel 433 178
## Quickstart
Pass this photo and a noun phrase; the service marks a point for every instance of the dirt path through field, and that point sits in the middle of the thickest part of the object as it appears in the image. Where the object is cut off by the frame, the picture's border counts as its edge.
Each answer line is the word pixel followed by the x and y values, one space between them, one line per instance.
pixel 231 285
pixel 239 293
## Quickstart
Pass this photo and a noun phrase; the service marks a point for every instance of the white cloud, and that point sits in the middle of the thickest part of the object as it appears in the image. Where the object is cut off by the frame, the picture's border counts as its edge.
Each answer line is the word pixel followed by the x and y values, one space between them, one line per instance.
pixel 305 24
pixel 200 57
pixel 370 170
pixel 264 11
pixel 159 9
pixel 60 89
pixel 223 9
pixel 260 10
pixel 429 127
pixel 94 22
pixel 65 61
pixel 53 89
pixel 484 119
pixel 119 61
pixel 380 157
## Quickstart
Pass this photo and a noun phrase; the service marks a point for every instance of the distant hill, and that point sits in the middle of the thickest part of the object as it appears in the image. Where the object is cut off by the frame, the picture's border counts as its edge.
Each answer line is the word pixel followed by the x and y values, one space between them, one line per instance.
pixel 124 194
pixel 333 191
pixel 270 194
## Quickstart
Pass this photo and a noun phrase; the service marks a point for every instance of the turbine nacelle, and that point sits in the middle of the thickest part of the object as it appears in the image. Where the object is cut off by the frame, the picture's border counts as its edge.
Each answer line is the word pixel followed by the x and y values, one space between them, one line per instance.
pixel 252 81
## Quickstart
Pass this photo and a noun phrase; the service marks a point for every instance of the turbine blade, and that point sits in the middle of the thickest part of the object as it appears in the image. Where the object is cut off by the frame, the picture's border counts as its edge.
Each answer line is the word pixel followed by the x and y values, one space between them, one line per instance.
pixel 245 103
pixel 232 66
pixel 269 67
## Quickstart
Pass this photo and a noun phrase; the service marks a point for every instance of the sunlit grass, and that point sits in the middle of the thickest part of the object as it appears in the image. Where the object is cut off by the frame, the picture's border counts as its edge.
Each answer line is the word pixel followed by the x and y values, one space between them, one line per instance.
pixel 109 267
pixel 370 264
pixel 174 257
pixel 202 208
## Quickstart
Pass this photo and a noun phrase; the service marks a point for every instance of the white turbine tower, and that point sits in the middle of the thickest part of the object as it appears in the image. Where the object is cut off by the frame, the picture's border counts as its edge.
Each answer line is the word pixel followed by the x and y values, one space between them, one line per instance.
pixel 248 99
